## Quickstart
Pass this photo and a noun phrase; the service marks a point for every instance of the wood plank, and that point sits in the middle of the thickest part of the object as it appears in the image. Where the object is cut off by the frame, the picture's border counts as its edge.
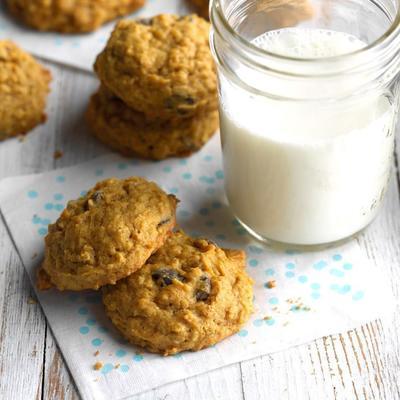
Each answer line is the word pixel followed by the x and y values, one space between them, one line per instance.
pixel 22 325
pixel 21 329
pixel 221 384
pixel 66 121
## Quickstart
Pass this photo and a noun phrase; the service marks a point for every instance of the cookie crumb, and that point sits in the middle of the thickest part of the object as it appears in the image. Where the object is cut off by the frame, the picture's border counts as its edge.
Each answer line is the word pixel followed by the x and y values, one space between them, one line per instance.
pixel 96 353
pixel 21 138
pixel 98 366
pixel 117 366
pixel 267 317
pixel 34 256
pixel 31 301
pixel 58 154
pixel 271 284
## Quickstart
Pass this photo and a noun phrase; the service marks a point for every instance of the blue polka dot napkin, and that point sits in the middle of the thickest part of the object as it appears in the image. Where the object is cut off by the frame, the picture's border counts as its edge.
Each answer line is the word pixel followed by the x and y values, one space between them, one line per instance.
pixel 298 296
pixel 78 51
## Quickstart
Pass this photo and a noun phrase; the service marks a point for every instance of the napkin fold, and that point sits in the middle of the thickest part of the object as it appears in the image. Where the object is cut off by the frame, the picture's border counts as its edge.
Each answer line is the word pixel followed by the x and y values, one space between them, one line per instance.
pixel 298 296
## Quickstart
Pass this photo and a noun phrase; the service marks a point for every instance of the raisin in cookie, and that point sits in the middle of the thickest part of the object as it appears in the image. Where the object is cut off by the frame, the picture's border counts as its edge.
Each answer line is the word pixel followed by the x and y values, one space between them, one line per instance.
pixel 107 234
pixel 132 133
pixel 24 86
pixel 160 66
pixel 70 16
pixel 189 295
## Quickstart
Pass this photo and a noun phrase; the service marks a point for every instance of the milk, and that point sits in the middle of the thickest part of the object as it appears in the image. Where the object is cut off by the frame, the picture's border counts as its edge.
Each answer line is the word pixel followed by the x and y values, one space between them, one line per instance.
pixel 305 173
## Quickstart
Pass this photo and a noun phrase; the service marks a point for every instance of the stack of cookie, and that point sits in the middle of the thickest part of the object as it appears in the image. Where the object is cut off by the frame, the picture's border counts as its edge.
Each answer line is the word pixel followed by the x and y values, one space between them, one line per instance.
pixel 162 290
pixel 158 93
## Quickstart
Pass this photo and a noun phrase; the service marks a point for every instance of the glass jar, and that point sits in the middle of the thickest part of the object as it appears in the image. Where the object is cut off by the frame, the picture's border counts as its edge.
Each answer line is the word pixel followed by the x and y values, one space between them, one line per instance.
pixel 309 96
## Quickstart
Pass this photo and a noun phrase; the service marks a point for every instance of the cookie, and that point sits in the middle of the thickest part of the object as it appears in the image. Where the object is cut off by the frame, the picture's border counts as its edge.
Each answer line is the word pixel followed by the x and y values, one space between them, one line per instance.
pixel 189 295
pixel 161 66
pixel 24 86
pixel 107 234
pixel 201 7
pixel 70 16
pixel 133 134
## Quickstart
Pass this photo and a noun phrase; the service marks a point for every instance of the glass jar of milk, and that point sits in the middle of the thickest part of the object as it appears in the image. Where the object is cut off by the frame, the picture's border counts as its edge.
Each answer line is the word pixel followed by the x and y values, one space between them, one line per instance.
pixel 309 94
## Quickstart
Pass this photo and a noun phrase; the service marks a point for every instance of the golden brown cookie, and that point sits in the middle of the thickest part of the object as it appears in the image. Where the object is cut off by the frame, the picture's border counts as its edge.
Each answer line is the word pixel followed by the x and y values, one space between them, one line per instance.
pixel 201 7
pixel 70 16
pixel 24 86
pixel 189 295
pixel 132 133
pixel 161 66
pixel 107 234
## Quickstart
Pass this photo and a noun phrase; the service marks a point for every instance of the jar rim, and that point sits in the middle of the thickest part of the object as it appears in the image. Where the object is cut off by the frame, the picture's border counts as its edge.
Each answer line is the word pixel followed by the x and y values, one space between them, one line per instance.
pixel 386 37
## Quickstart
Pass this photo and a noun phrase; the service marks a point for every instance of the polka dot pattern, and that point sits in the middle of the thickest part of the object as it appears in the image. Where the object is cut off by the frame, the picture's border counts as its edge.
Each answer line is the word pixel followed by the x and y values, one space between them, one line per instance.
pixel 107 368
pixel 324 278
pixel 33 194
pixel 121 353
pixel 320 265
pixel 97 342
pixel 124 368
pixel 273 300
pixel 253 262
pixel 42 231
pixel 84 330
pixel 83 311
pixel 270 272
pixel 302 279
pixel 270 321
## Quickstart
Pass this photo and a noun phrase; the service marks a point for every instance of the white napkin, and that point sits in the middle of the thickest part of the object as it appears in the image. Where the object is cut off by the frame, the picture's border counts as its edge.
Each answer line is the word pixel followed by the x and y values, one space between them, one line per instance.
pixel 315 294
pixel 78 51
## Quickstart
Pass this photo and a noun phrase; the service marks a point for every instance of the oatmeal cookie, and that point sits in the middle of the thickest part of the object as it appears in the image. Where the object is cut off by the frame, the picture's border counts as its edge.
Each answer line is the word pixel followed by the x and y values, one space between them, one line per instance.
pixel 131 133
pixel 24 86
pixel 70 16
pixel 107 234
pixel 161 66
pixel 189 295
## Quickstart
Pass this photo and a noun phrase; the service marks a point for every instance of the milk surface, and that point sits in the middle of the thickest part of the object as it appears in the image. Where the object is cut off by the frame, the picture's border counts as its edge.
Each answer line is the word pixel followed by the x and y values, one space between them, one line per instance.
pixel 306 172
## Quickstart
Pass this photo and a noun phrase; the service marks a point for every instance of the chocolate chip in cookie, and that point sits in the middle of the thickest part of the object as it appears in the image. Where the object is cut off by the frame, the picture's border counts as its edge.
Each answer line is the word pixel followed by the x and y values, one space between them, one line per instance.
pixel 165 277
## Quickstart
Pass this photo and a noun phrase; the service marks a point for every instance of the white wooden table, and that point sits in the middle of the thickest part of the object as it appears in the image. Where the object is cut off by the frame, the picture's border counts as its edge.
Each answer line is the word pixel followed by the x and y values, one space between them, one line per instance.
pixel 360 364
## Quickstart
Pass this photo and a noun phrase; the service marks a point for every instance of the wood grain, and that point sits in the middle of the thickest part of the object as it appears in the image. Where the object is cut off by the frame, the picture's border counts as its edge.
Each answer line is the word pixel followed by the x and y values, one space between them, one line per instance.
pixel 361 364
